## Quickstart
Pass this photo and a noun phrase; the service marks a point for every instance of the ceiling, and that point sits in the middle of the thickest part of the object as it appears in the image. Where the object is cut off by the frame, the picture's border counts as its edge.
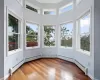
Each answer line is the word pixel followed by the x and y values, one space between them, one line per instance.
pixel 49 1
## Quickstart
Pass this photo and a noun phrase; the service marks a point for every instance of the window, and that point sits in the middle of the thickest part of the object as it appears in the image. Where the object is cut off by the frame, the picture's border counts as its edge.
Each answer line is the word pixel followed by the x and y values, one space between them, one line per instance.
pixel 32 35
pixel 66 34
pixel 78 1
pixel 49 12
pixel 84 26
pixel 66 8
pixel 13 33
pixel 49 35
pixel 31 7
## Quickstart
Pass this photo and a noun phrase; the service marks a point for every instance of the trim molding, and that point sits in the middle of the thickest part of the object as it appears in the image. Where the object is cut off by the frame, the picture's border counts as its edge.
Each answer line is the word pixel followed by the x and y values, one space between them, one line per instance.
pixel 32 58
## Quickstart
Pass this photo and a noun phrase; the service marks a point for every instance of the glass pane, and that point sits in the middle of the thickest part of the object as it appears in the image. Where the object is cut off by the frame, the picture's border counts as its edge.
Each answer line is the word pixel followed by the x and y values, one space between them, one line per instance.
pixel 49 12
pixel 67 8
pixel 32 41
pixel 49 35
pixel 31 29
pixel 13 41
pixel 31 35
pixel 31 8
pixel 85 33
pixel 66 34
pixel 12 24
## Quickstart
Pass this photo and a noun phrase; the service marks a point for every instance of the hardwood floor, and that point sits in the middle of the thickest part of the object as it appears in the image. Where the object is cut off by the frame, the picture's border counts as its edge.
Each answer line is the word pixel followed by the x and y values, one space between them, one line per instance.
pixel 49 69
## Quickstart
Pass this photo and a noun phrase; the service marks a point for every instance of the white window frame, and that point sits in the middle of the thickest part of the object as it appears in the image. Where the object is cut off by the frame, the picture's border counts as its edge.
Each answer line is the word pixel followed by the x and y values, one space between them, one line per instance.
pixel 71 3
pixel 30 4
pixel 72 35
pixel 78 47
pixel 20 33
pixel 49 10
pixel 34 47
pixel 44 36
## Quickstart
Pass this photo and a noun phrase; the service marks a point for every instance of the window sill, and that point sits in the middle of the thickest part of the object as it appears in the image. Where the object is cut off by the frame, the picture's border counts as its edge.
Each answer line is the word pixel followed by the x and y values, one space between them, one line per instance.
pixel 49 46
pixel 84 52
pixel 13 52
pixel 32 47
pixel 66 47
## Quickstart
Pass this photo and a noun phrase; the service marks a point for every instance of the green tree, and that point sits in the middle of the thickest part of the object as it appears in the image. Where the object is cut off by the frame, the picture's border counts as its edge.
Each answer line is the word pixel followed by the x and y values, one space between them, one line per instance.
pixel 65 41
pixel 31 34
pixel 85 42
pixel 48 35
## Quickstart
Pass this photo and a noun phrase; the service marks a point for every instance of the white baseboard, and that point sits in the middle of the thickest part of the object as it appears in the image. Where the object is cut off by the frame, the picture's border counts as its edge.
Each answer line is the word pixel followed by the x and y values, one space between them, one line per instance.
pixel 65 58
pixel 32 58
pixel 49 56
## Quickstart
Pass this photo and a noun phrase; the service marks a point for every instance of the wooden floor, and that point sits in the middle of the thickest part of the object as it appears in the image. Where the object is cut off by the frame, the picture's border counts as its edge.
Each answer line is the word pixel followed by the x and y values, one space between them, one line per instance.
pixel 49 69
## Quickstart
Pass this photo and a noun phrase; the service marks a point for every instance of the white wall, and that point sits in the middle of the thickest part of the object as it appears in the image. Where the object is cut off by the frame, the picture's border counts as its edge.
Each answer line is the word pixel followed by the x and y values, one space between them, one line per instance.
pixel 12 60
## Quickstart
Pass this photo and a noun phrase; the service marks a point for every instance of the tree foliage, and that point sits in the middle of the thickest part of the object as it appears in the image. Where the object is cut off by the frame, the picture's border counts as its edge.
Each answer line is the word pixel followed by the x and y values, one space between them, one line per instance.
pixel 48 35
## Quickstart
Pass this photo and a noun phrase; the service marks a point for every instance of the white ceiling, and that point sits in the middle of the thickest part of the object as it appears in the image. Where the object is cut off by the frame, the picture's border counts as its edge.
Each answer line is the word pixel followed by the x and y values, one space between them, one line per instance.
pixel 49 1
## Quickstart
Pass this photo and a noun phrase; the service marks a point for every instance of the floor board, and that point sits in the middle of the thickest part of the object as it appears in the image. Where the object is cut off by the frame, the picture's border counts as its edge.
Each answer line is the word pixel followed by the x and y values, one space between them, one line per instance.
pixel 49 69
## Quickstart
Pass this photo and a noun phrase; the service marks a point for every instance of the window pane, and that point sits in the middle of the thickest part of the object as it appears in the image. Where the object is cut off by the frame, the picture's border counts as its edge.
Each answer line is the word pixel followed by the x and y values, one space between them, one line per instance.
pixel 31 8
pixel 13 41
pixel 66 8
pixel 31 35
pixel 32 41
pixel 49 12
pixel 66 34
pixel 85 32
pixel 49 35
pixel 12 24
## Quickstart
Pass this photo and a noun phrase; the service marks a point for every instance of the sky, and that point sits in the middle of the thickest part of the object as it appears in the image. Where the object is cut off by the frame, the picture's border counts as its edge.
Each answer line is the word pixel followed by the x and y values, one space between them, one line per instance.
pixel 85 24
pixel 67 8
pixel 33 26
pixel 69 26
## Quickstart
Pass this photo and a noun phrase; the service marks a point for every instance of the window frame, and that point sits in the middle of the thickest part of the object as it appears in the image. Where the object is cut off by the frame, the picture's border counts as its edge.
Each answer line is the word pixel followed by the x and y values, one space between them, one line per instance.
pixel 33 6
pixel 65 6
pixel 49 10
pixel 72 35
pixel 34 47
pixel 78 45
pixel 44 36
pixel 20 32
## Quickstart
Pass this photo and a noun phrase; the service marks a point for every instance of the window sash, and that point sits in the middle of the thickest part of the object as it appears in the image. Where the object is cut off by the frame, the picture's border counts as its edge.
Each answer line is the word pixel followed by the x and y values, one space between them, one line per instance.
pixel 18 42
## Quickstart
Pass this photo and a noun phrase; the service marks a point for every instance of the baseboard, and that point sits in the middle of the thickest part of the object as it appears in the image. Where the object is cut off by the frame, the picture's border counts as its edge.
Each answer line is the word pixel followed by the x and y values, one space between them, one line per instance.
pixel 32 58
pixel 49 56
pixel 65 58
pixel 91 77
pixel 14 69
